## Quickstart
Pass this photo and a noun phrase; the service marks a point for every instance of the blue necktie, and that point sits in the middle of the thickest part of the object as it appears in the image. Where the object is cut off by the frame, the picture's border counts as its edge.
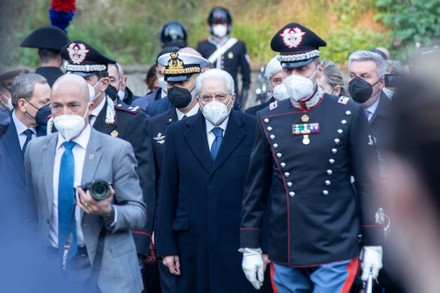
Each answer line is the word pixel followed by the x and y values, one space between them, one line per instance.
pixel 66 202
pixel 218 132
pixel 28 133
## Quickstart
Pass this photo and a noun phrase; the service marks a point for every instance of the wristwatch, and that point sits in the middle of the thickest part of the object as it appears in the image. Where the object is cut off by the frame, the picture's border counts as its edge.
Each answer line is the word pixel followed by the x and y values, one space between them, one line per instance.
pixel 109 218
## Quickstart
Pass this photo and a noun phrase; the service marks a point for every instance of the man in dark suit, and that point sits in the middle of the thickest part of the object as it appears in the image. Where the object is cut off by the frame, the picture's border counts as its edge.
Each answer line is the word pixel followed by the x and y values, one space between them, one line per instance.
pixel 367 70
pixel 29 93
pixel 306 150
pixel 117 120
pixel 204 165
pixel 159 124
pixel 48 40
pixel 89 238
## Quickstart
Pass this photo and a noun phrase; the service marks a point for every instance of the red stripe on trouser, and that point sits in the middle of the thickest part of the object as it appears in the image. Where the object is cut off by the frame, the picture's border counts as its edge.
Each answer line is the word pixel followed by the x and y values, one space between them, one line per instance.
pixel 272 281
pixel 352 268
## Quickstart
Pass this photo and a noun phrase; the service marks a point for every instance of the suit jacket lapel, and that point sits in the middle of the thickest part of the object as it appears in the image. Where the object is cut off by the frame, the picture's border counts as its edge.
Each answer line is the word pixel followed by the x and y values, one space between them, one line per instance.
pixel 197 140
pixel 12 144
pixel 382 108
pixel 232 138
pixel 48 158
pixel 92 157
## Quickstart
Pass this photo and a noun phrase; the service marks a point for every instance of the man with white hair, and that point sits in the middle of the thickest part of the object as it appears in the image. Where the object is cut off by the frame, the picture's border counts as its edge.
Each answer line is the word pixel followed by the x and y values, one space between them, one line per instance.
pixel 204 167
pixel 275 77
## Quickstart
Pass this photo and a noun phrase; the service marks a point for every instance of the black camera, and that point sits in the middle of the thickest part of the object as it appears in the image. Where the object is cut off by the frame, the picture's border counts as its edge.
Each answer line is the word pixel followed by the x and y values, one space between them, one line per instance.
pixel 99 189
pixel 393 80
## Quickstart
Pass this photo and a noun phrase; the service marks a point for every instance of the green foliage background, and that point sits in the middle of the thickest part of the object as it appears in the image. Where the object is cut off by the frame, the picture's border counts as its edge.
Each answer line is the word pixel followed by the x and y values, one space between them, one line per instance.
pixel 128 30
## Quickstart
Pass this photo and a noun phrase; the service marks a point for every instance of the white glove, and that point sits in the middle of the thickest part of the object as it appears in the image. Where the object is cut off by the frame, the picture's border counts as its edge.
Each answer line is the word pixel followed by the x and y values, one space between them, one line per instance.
pixel 253 266
pixel 371 262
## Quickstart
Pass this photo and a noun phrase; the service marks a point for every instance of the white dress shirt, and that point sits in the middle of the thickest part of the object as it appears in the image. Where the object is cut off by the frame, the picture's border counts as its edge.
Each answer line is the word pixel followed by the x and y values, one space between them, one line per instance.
pixel 191 112
pixel 210 134
pixel 21 128
pixel 95 112
pixel 372 109
pixel 79 152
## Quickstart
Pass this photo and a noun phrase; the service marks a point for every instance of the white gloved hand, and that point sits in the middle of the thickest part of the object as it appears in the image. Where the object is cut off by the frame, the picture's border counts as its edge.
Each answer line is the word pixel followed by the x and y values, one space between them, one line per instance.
pixel 371 262
pixel 253 266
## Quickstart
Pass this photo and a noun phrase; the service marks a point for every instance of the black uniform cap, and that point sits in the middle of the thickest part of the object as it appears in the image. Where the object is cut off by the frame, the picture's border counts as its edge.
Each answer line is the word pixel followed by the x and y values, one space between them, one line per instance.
pixel 83 59
pixel 297 45
pixel 48 37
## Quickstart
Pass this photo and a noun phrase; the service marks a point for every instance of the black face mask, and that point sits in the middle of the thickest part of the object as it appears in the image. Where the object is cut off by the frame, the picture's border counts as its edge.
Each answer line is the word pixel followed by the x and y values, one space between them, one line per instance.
pixel 360 90
pixel 112 92
pixel 42 115
pixel 179 97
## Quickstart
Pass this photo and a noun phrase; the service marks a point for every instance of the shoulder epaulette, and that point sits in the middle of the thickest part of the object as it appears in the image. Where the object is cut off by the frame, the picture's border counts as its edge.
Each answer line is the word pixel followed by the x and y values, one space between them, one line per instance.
pixel 128 109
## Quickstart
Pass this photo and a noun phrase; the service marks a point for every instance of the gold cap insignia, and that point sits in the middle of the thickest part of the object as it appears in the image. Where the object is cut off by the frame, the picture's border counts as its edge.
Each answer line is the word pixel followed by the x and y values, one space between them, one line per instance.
pixel 176 66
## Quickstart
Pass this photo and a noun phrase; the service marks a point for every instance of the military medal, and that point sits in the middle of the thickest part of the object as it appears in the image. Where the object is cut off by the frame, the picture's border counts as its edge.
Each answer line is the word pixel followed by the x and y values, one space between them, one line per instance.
pixel 305 129
pixel 114 133
pixel 306 139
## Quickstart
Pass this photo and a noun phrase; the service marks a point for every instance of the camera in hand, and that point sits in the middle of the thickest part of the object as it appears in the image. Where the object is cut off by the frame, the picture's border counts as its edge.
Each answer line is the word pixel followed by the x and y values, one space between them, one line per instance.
pixel 99 189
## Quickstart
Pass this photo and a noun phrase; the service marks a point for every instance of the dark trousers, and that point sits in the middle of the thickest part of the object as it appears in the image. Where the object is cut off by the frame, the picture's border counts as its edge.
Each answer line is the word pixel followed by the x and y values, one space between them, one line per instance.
pixel 78 272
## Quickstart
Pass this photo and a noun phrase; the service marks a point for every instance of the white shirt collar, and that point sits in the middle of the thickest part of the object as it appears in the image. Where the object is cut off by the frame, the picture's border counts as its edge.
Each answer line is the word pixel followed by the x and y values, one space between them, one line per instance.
pixel 82 139
pixel 20 126
pixel 373 107
pixel 191 112
pixel 97 110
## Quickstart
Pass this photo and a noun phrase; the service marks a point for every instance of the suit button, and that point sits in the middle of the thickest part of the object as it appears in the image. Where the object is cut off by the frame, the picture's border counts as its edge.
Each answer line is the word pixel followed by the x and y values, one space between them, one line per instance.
pixel 348 113
pixel 279 155
pixel 325 192
pixel 269 128
pixel 289 184
pixel 340 131
pixel 337 140
pixel 334 150
pixel 292 194
pixel 283 165
pixel 275 145
pixel 331 161
pixel 344 122
pixel 286 174
pixel 272 137
pixel 327 182
pixel 329 172
pixel 266 120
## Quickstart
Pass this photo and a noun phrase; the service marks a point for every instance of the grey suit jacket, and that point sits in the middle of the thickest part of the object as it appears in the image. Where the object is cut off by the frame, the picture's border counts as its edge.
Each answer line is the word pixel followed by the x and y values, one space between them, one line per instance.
pixel 107 158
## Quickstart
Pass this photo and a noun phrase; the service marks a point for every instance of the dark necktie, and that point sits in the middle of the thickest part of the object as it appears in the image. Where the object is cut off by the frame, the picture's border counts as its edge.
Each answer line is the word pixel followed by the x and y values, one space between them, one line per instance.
pixel 66 202
pixel 28 133
pixel 218 132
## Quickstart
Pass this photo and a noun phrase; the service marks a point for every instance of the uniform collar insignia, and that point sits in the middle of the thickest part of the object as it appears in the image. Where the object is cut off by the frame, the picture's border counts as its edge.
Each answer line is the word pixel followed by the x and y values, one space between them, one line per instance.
pixel 310 103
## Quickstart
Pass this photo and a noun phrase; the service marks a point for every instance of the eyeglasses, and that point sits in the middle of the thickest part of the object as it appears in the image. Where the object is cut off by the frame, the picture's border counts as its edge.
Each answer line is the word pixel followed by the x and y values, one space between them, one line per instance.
pixel 218 97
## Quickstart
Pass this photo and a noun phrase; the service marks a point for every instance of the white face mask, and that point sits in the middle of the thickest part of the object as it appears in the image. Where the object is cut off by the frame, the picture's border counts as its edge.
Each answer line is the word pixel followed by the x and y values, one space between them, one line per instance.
pixel 280 92
pixel 92 94
pixel 70 126
pixel 298 87
pixel 162 83
pixel 220 30
pixel 121 94
pixel 216 112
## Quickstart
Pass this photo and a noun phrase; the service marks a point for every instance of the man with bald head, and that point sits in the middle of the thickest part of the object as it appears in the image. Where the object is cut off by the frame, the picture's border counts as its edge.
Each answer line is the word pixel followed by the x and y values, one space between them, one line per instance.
pixel 89 237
